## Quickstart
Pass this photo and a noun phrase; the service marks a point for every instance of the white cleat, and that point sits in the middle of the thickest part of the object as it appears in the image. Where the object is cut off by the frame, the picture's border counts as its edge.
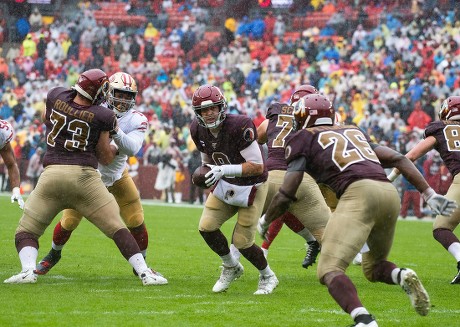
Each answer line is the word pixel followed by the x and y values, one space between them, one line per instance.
pixel 413 287
pixel 266 284
pixel 24 277
pixel 227 276
pixel 151 277
pixel 358 259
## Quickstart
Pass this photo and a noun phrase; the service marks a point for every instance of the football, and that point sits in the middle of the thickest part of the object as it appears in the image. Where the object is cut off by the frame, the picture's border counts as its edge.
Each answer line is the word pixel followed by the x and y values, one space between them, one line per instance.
pixel 198 178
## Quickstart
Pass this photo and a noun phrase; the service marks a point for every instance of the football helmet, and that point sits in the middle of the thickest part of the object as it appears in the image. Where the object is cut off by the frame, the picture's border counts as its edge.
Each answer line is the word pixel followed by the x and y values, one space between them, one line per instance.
pixel 122 93
pixel 312 110
pixel 92 84
pixel 208 96
pixel 302 91
pixel 450 109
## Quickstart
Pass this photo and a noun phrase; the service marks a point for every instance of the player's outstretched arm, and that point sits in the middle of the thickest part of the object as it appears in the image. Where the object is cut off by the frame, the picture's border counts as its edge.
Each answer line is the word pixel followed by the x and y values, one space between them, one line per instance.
pixel 391 158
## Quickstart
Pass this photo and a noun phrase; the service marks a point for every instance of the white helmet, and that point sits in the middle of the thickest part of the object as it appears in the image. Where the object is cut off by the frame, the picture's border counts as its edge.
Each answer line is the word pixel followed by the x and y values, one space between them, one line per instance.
pixel 122 93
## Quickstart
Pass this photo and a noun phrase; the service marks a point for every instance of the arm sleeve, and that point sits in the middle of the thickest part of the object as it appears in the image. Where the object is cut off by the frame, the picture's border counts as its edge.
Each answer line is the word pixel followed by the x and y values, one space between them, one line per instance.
pixel 131 143
pixel 252 153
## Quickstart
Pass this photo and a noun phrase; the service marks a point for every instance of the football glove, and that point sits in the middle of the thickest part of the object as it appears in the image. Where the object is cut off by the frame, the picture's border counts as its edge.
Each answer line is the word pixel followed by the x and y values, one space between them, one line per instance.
pixel 438 203
pixel 217 172
pixel 16 196
pixel 262 227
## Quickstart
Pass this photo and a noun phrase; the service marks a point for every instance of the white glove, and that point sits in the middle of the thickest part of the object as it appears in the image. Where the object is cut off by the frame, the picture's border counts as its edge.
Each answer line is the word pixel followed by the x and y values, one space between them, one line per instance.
pixel 262 227
pixel 17 197
pixel 438 203
pixel 217 172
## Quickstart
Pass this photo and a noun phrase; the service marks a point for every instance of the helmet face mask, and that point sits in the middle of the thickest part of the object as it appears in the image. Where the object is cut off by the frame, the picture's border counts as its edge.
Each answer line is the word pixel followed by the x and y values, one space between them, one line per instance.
pixel 93 85
pixel 450 109
pixel 122 93
pixel 207 96
pixel 313 110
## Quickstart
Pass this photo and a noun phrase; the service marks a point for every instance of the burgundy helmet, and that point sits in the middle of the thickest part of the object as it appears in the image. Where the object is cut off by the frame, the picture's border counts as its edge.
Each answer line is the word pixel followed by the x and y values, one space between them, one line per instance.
pixel 302 91
pixel 207 96
pixel 450 109
pixel 312 110
pixel 93 84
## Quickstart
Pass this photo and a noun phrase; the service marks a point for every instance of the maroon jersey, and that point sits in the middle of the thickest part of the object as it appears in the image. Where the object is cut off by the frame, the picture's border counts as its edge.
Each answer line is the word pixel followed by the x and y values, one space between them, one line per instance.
pixel 335 155
pixel 236 134
pixel 447 135
pixel 72 131
pixel 280 124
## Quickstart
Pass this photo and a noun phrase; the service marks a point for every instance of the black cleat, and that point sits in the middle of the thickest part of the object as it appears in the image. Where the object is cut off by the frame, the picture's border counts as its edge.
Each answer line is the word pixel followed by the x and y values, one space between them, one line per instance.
pixel 456 279
pixel 48 262
pixel 312 252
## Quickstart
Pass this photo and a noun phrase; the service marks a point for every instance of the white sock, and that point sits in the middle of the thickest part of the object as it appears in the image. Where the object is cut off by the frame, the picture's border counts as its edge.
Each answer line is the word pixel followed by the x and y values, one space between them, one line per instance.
pixel 265 251
pixel 358 311
pixel 138 263
pixel 235 252
pixel 57 247
pixel 454 249
pixel 305 233
pixel 229 260
pixel 266 272
pixel 28 256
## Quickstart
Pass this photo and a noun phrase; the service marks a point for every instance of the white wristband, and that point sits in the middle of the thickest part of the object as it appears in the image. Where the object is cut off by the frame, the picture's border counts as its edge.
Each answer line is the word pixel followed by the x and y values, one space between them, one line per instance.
pixel 428 193
pixel 393 175
pixel 232 170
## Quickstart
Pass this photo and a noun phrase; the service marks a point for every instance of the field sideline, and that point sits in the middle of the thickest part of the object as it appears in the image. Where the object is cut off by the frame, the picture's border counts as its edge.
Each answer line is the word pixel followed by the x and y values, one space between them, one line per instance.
pixel 93 285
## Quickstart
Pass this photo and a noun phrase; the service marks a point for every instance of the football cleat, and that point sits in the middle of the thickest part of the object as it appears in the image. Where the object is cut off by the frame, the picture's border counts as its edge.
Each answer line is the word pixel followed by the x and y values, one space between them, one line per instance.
pixel 413 287
pixel 312 252
pixel 151 277
pixel 266 284
pixel 365 320
pixel 48 262
pixel 24 277
pixel 456 279
pixel 227 276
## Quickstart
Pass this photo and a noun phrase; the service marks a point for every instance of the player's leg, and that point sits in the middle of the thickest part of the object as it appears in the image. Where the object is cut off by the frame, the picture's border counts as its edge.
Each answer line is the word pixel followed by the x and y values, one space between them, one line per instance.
pixel 376 266
pixel 443 228
pixel 35 219
pixel 214 215
pixel 313 246
pixel 128 198
pixel 273 230
pixel 99 206
pixel 244 236
pixel 61 234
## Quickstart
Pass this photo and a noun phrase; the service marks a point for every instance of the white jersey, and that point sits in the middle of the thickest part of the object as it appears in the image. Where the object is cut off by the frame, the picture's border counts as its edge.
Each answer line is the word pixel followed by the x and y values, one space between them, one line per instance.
pixel 6 133
pixel 129 139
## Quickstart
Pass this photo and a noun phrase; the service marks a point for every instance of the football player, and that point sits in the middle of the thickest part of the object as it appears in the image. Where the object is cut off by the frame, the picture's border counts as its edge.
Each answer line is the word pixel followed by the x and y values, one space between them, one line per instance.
pixel 444 137
pixel 128 141
pixel 343 158
pixel 311 209
pixel 228 143
pixel 77 137
pixel 7 153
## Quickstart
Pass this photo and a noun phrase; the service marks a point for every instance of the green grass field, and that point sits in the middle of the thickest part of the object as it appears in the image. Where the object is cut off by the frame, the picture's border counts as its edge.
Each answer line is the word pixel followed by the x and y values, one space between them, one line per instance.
pixel 94 286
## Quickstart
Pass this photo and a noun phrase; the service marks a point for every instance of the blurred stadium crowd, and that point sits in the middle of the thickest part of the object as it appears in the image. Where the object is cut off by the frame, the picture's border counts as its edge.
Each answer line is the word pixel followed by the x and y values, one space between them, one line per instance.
pixel 387 65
